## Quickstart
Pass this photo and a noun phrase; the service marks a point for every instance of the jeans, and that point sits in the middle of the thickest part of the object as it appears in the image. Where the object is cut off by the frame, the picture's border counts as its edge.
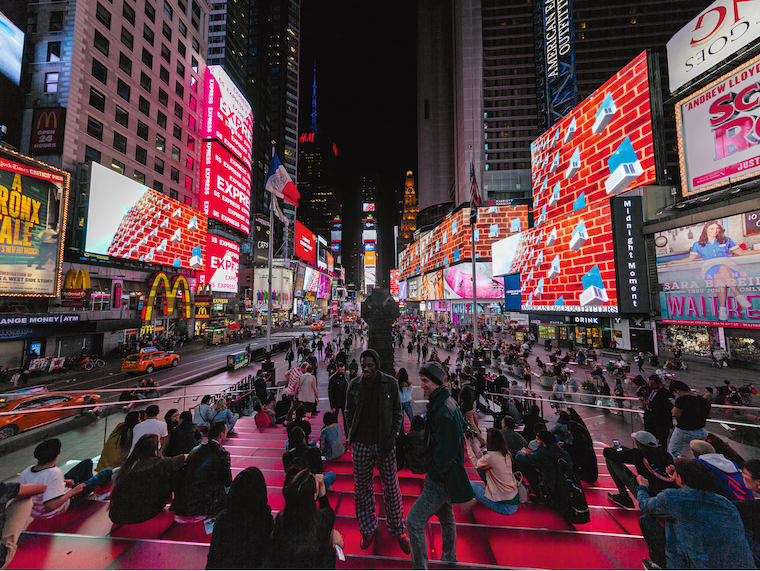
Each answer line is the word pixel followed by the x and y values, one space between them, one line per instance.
pixel 311 442
pixel 82 473
pixel 407 406
pixel 480 495
pixel 682 438
pixel 434 500
pixel 329 479
pixel 654 535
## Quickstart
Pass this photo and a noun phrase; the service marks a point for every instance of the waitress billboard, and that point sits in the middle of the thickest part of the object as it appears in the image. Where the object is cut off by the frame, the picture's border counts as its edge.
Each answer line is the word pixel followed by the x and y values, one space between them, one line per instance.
pixel 709 273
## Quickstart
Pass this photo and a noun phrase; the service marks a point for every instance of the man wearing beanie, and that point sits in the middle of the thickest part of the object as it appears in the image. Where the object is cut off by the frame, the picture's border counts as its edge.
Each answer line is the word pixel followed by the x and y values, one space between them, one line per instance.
pixel 446 481
pixel 544 458
pixel 373 418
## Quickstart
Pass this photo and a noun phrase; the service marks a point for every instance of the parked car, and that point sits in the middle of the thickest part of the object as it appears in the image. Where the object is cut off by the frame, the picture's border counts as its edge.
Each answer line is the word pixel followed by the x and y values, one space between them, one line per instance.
pixel 317 325
pixel 33 410
pixel 149 362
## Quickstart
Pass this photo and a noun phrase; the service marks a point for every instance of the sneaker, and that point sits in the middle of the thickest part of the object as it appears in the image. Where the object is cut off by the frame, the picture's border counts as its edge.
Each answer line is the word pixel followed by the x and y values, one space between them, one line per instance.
pixel 623 500
pixel 743 301
pixel 722 314
pixel 367 540
pixel 404 544
pixel 649 564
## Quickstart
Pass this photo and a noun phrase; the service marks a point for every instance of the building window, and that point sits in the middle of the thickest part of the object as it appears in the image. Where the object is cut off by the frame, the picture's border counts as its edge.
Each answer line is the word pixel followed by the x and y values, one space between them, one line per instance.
pixel 177 131
pixel 166 53
pixel 56 22
pixel 125 63
pixel 188 183
pixel 97 100
pixel 193 84
pixel 91 155
pixel 120 143
pixel 129 13
pixel 163 73
pixel 189 162
pixel 163 97
pixel 118 166
pixel 99 71
pixel 94 128
pixel 54 51
pixel 191 143
pixel 127 38
pixel 175 153
pixel 142 130
pixel 158 166
pixel 182 6
pixel 101 43
pixel 160 143
pixel 178 110
pixel 181 48
pixel 148 34
pixel 103 15
pixel 191 123
pixel 196 46
pixel 139 177
pixel 145 81
pixel 150 11
pixel 168 10
pixel 51 82
pixel 173 194
pixel 141 155
pixel 147 58
pixel 158 185
pixel 122 117
pixel 161 120
pixel 182 28
pixel 193 103
pixel 122 90
pixel 144 106
pixel 180 69
pixel 194 64
pixel 166 30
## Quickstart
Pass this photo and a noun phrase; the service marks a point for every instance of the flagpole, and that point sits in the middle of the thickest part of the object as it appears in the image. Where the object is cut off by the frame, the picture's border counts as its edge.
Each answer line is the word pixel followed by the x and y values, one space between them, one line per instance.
pixel 271 261
pixel 473 222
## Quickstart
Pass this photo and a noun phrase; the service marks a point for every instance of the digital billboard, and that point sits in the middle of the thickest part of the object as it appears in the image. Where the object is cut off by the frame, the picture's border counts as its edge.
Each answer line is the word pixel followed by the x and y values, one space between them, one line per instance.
pixel 11 49
pixel 223 264
pixel 414 288
pixel 395 284
pixel 369 258
pixel 458 282
pixel 321 253
pixel 305 244
pixel 330 263
pixel 228 116
pixel 503 253
pixel 323 290
pixel 33 200
pixel 282 288
pixel 370 274
pixel 709 273
pixel 603 147
pixel 432 286
pixel 717 133
pixel 368 206
pixel 401 289
pixel 226 187
pixel 311 280
pixel 126 219
pixel 512 297
pixel 298 286
pixel 716 33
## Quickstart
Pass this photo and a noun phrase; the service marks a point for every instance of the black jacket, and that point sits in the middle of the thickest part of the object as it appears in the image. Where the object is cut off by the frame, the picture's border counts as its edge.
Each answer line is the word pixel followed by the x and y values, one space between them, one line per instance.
pixel 202 488
pixel 337 388
pixel 183 439
pixel 390 410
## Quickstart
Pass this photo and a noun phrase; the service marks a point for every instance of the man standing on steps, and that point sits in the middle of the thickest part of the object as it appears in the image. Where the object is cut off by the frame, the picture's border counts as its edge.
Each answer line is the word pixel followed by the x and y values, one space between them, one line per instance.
pixel 336 391
pixel 373 417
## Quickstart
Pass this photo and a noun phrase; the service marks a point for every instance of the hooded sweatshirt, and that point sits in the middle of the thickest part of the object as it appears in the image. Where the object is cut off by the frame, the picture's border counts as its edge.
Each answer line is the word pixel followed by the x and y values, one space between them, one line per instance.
pixel 728 477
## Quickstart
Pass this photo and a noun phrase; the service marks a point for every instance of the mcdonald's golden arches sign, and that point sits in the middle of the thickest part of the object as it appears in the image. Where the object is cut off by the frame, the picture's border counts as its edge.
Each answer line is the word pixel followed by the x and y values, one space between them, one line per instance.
pixel 76 288
pixel 47 131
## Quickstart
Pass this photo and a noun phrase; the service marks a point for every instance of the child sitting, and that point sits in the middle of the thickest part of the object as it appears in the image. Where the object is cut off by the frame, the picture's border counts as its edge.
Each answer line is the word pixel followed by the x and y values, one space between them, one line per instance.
pixel 331 438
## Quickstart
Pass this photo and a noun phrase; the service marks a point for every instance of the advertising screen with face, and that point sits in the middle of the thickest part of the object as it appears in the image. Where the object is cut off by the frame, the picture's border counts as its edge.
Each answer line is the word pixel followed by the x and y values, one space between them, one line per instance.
pixel 458 282
pixel 228 116
pixel 323 291
pixel 225 187
pixel 503 253
pixel 432 286
pixel 126 219
pixel 32 202
pixel 717 131
pixel 306 244
pixel 709 273
pixel 223 258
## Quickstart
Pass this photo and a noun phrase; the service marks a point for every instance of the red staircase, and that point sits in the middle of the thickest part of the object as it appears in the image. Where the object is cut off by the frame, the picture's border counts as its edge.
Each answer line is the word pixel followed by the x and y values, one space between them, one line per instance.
pixel 535 536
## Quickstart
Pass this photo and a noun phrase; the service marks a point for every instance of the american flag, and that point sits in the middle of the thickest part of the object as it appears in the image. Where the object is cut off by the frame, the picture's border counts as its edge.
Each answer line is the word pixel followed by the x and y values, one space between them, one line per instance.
pixel 475 199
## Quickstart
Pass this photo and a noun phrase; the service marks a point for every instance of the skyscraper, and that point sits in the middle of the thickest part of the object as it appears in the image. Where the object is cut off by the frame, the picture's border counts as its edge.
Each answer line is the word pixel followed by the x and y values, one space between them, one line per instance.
pixel 409 214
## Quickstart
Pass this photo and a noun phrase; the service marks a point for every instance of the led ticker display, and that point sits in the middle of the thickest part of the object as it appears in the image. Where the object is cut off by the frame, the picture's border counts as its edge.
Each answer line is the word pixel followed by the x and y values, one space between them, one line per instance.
pixel 603 147
pixel 305 244
pixel 223 264
pixel 717 131
pixel 226 192
pixel 126 219
pixel 709 273
pixel 33 201
pixel 228 117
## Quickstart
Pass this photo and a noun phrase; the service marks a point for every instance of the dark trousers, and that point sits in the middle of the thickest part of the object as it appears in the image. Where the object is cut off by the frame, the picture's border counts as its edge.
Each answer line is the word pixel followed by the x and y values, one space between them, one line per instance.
pixel 82 473
pixel 622 476
pixel 654 535
pixel 529 473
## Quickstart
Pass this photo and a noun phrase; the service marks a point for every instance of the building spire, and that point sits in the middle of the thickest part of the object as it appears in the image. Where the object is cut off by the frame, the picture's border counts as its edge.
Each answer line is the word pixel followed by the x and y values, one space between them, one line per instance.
pixel 314 99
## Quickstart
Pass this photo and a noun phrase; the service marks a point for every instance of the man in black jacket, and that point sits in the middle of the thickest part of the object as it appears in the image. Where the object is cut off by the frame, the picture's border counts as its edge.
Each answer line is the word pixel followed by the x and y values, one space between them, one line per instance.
pixel 202 490
pixel 544 458
pixel 337 387
pixel 651 461
pixel 658 419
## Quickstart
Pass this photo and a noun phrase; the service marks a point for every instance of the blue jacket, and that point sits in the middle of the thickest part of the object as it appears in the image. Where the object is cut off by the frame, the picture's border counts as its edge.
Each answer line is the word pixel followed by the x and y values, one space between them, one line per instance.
pixel 703 530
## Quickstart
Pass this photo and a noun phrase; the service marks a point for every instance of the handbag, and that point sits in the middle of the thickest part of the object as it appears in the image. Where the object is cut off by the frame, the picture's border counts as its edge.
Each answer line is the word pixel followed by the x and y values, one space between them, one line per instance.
pixel 522 490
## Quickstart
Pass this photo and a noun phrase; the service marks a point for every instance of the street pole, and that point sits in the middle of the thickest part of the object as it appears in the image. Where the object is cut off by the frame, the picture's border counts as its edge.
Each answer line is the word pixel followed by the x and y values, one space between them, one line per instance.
pixel 473 223
pixel 271 247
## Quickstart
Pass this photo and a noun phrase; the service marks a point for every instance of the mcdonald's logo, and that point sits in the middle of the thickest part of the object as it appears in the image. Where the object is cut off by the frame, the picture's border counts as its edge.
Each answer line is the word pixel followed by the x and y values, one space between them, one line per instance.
pixel 48 116
pixel 75 288
pixel 47 130
pixel 171 296
pixel 201 311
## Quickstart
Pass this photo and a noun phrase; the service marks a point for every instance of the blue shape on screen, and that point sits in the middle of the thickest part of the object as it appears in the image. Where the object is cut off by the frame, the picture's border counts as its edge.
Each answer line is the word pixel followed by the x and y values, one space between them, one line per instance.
pixel 580 202
pixel 177 263
pixel 197 252
pixel 456 255
pixel 560 300
pixel 593 278
pixel 445 260
pixel 608 101
pixel 624 154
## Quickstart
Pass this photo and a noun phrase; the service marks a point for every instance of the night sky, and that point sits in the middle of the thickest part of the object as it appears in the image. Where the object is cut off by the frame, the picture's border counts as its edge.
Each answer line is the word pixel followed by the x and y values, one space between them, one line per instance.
pixel 366 90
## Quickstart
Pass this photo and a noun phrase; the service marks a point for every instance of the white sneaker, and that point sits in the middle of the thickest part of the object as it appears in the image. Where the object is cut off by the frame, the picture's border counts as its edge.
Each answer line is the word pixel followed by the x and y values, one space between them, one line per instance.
pixel 743 301
pixel 722 314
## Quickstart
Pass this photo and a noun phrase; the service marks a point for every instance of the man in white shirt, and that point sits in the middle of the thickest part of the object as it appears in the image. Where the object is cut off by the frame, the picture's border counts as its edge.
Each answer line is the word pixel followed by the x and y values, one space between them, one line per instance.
pixel 150 425
pixel 61 490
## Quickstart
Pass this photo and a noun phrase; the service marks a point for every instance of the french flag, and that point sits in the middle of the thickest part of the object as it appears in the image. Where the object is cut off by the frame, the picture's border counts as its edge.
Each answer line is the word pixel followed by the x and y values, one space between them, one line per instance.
pixel 279 182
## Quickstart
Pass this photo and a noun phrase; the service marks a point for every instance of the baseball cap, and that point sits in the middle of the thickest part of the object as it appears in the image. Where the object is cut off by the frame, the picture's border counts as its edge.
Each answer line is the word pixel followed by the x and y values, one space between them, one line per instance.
pixel 645 438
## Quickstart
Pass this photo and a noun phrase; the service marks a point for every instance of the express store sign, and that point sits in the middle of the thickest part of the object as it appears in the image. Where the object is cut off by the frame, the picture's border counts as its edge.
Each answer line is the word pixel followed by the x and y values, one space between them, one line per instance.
pixel 228 116
pixel 306 244
pixel 223 264
pixel 226 192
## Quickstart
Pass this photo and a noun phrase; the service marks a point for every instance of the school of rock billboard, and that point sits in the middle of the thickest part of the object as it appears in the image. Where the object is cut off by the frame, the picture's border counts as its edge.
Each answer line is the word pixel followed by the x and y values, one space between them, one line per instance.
pixel 709 273
pixel 717 131
pixel 33 201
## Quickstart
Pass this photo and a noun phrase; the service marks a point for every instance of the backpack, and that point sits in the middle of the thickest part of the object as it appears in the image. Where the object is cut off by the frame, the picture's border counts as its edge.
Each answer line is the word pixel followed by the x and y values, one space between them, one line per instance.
pixel 561 490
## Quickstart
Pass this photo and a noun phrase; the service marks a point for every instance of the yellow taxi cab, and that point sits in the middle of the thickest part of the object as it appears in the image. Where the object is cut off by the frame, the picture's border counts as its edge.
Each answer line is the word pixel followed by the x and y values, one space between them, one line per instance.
pixel 317 325
pixel 26 410
pixel 149 361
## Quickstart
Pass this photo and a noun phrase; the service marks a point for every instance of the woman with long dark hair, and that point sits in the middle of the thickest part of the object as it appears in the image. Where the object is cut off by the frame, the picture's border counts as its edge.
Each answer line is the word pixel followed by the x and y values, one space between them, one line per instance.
pixel 184 437
pixel 242 531
pixel 581 451
pixel 500 492
pixel 142 487
pixel 304 537
pixel 405 390
pixel 172 419
pixel 119 442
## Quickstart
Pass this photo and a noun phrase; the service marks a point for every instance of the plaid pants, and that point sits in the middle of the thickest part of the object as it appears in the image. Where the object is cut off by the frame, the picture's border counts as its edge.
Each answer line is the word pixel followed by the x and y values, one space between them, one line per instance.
pixel 365 457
